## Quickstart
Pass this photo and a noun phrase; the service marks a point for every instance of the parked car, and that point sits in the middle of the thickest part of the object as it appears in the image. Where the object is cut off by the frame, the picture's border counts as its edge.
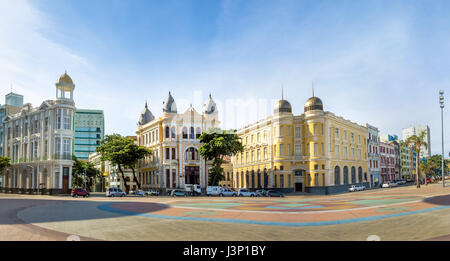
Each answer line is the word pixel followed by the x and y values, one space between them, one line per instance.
pixel 140 193
pixel 400 182
pixel 178 193
pixel 274 193
pixel 79 192
pixel 115 192
pixel 260 193
pixel 389 184
pixel 226 192
pixel 354 188
pixel 246 193
pixel 213 190
pixel 153 193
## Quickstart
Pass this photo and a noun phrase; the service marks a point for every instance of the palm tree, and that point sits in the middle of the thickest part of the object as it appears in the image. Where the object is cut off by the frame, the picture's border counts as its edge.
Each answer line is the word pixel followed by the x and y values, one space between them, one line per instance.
pixel 418 142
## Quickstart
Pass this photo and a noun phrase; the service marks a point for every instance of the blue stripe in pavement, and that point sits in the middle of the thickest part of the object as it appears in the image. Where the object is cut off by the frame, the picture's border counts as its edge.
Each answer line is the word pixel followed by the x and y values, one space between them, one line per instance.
pixel 106 207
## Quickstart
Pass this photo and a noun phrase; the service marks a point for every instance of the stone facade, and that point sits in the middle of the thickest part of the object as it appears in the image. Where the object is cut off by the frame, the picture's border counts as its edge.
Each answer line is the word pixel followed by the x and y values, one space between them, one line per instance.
pixel 174 141
pixel 310 152
pixel 39 143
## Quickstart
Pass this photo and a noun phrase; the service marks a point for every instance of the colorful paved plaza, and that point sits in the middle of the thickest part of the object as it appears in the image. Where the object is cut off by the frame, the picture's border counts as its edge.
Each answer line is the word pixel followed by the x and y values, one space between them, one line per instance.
pixel 403 213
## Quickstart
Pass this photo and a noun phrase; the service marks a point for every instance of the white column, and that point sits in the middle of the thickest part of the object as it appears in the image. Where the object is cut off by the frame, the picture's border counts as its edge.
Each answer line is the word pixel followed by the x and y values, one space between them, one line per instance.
pixel 70 177
pixel 60 146
pixel 60 176
pixel 39 175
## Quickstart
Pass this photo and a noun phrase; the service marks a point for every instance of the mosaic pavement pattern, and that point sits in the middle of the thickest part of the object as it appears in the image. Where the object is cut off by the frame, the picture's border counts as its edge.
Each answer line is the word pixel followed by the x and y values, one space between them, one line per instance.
pixel 280 212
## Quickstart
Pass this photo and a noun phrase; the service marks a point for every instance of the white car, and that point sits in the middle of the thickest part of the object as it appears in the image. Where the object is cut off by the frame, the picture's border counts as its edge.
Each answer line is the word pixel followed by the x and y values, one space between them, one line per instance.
pixel 140 193
pixel 226 192
pixel 388 185
pixel 354 188
pixel 115 192
pixel 246 193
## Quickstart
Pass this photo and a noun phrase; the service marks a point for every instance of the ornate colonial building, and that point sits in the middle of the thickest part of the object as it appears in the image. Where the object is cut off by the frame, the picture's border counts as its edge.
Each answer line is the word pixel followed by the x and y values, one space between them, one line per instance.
pixel 174 140
pixel 39 143
pixel 315 152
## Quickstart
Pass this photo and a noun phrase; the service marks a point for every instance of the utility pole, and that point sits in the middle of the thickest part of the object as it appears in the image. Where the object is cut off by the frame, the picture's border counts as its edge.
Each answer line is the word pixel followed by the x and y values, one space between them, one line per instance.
pixel 441 102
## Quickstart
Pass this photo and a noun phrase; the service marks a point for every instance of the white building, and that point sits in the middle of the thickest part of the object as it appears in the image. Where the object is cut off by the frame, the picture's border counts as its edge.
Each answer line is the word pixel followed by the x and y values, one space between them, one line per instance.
pixel 425 152
pixel 373 151
pixel 39 143
pixel 174 141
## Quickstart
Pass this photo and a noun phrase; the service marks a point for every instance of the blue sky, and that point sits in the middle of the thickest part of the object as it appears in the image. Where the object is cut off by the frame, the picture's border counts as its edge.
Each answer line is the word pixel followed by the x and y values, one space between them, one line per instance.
pixel 376 62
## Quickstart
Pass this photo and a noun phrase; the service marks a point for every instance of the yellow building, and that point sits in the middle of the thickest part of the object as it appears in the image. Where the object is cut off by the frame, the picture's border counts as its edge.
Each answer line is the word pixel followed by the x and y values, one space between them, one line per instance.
pixel 227 172
pixel 315 152
pixel 174 141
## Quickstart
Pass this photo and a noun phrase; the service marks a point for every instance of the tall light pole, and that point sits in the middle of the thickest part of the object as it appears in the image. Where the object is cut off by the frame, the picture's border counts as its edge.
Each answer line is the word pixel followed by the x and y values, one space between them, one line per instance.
pixel 441 102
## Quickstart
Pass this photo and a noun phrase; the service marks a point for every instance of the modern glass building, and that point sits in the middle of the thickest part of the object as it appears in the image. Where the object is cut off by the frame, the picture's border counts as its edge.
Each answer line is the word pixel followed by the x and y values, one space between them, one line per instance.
pixel 89 128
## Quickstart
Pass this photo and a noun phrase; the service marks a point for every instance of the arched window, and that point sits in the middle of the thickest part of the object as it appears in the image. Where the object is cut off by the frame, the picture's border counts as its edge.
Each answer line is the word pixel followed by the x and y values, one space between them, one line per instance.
pixel 345 175
pixel 337 175
pixel 167 132
pixel 191 154
pixel 185 135
pixel 258 178
pixel 242 179
pixel 198 132
pixel 353 175
pixel 247 181
pixel 173 133
pixel 253 179
pixel 266 178
pixel 360 175
pixel 191 134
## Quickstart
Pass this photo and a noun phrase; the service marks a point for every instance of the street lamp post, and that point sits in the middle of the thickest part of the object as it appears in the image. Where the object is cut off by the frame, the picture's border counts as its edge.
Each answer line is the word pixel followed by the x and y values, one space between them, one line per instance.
pixel 441 102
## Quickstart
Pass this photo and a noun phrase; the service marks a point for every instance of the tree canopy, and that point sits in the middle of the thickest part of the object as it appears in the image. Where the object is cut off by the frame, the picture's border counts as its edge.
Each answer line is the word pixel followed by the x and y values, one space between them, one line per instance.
pixel 123 153
pixel 417 141
pixel 5 162
pixel 78 171
pixel 216 145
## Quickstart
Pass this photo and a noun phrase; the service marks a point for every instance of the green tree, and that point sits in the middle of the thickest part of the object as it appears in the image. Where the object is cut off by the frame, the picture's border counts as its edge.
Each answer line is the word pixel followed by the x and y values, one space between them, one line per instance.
pixel 5 162
pixel 134 154
pixel 78 173
pixel 216 145
pixel 417 142
pixel 437 164
pixel 123 153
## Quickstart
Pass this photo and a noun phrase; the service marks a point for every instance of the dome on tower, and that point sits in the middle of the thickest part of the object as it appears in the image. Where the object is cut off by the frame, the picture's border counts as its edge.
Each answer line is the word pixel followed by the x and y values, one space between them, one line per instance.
pixel 169 105
pixel 313 103
pixel 282 106
pixel 146 116
pixel 210 106
pixel 65 78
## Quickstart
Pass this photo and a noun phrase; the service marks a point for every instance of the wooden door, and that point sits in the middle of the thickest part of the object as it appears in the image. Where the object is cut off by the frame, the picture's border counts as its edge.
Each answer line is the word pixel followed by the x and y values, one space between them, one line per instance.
pixel 65 183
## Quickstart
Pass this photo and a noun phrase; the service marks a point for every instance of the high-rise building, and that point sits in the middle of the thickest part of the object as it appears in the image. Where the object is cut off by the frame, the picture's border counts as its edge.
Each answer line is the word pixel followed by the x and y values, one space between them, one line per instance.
pixel 89 128
pixel 14 99
pixel 425 151
pixel 39 143
pixel 11 106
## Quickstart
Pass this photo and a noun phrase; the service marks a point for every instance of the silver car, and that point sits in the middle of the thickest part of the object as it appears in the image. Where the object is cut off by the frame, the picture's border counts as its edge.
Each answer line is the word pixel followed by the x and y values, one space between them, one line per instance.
pixel 115 192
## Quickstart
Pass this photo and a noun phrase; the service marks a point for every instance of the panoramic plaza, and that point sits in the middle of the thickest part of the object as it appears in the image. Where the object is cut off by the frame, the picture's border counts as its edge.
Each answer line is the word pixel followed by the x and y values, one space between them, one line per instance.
pixel 402 213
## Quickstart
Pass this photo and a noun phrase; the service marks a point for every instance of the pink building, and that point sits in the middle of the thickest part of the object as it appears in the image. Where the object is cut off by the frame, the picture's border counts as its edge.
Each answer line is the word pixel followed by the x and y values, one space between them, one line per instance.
pixel 387 162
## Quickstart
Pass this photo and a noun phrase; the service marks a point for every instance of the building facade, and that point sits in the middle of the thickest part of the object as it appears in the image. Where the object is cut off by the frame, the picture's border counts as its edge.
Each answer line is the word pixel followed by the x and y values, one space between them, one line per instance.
pixel 425 151
pixel 373 143
pixel 39 143
pixel 315 152
pixel 227 173
pixel 387 162
pixel 89 128
pixel 174 140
